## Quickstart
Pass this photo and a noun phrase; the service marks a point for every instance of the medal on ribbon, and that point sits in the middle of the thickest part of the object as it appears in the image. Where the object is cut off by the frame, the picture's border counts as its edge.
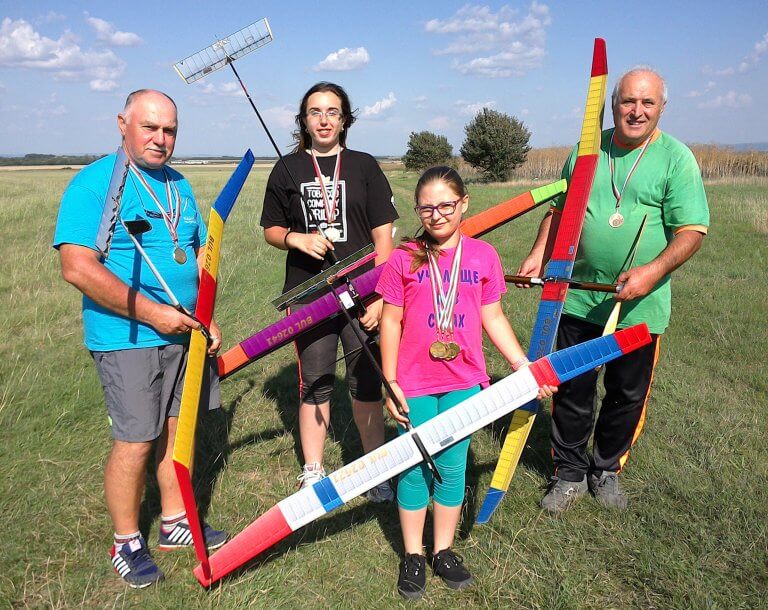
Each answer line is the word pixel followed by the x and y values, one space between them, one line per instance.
pixel 616 219
pixel 444 302
pixel 331 233
pixel 170 216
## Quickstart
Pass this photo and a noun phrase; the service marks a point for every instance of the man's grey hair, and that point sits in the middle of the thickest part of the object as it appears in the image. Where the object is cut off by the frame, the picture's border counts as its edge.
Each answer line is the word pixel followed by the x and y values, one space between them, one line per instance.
pixel 639 68
pixel 135 95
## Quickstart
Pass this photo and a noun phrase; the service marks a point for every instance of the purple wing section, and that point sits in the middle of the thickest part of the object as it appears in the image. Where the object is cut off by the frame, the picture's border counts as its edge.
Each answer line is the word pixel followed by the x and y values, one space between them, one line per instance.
pixel 295 324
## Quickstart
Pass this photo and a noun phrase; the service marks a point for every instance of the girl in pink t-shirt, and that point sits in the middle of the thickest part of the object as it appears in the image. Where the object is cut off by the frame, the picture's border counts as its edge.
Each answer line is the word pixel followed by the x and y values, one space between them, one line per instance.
pixel 440 290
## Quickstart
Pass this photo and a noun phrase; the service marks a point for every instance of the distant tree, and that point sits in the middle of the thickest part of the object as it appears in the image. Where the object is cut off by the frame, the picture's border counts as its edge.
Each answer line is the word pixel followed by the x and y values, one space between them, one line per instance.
pixel 426 149
pixel 495 143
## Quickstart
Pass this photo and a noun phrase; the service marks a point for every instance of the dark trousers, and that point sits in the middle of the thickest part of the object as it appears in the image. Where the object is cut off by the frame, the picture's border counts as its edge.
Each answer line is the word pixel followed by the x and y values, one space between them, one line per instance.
pixel 627 384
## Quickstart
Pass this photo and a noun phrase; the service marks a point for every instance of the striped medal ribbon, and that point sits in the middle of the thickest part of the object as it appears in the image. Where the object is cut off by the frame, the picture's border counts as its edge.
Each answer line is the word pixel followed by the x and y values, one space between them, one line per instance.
pixel 444 301
pixel 172 215
pixel 331 233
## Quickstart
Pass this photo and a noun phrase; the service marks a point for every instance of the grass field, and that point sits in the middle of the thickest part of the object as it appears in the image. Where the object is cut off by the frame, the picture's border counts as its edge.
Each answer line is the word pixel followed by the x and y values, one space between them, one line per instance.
pixel 694 536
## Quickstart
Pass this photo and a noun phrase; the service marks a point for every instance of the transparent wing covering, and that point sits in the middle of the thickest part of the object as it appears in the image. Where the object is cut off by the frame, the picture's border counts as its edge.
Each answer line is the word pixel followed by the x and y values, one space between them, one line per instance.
pixel 224 51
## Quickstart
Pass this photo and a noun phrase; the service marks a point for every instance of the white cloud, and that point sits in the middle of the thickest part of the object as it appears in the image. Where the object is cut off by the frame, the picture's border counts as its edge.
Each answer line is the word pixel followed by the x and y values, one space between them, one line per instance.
pixel 45 107
pixel 343 60
pixel 22 47
pixel 51 17
pixel 282 116
pixel 707 88
pixel 229 89
pixel 2 88
pixel 472 108
pixel 106 32
pixel 494 45
pixel 439 123
pixel 729 100
pixel 420 102
pixel 103 85
pixel 761 46
pixel 758 50
pixel 380 106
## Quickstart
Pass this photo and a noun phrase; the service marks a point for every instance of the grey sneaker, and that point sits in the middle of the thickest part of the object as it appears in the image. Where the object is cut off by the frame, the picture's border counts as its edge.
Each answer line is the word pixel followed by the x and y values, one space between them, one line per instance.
pixel 606 490
pixel 380 494
pixel 561 494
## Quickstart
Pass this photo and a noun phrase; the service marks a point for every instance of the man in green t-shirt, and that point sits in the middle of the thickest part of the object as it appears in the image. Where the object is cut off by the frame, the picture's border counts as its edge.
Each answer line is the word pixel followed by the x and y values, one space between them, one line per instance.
pixel 647 215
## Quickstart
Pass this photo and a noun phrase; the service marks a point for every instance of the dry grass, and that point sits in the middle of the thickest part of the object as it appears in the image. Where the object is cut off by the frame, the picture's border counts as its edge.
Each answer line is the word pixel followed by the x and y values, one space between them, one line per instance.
pixel 695 535
pixel 718 162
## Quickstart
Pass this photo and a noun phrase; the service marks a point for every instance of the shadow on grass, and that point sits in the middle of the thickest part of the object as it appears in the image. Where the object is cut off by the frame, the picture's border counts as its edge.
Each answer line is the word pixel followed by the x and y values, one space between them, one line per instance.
pixel 212 451
pixel 536 456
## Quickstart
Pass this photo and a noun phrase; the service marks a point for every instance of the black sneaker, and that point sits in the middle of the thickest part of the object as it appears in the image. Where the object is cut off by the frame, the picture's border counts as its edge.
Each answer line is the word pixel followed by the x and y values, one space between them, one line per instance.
pixel 449 566
pixel 412 581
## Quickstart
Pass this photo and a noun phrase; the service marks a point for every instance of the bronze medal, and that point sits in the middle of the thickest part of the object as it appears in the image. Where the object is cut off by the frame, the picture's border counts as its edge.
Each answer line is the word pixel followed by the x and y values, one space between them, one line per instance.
pixel 453 350
pixel 179 255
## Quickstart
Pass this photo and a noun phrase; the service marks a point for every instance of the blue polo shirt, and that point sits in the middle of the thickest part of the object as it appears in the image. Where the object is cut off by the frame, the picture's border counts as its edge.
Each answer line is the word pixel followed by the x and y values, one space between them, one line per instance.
pixel 78 223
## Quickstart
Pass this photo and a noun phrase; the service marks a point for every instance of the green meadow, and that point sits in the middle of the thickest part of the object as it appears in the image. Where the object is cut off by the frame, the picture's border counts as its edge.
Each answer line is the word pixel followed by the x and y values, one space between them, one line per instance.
pixel 695 534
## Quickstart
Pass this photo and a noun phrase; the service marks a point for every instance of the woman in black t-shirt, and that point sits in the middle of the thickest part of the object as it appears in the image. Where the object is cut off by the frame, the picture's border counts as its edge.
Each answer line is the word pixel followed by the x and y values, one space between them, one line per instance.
pixel 346 192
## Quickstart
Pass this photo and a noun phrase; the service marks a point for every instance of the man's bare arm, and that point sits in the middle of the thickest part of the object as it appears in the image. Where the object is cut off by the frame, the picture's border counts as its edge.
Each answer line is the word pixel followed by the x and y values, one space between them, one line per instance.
pixel 81 267
pixel 639 281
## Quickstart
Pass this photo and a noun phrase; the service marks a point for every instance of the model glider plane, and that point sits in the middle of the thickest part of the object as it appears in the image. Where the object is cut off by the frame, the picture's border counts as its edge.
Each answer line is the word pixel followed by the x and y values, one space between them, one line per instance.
pixel 326 307
pixel 183 448
pixel 397 455
pixel 560 265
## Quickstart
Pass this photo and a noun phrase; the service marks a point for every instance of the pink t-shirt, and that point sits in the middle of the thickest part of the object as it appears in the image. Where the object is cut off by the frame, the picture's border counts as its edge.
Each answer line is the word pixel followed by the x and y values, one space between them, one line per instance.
pixel 482 282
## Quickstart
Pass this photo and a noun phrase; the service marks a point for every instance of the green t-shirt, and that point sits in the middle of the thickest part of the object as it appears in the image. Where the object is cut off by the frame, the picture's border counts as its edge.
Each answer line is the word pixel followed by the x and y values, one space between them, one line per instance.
pixel 667 186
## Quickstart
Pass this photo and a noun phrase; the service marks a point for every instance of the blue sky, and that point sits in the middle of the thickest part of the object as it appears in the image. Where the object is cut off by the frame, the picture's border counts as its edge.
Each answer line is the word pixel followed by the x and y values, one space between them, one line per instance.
pixel 65 68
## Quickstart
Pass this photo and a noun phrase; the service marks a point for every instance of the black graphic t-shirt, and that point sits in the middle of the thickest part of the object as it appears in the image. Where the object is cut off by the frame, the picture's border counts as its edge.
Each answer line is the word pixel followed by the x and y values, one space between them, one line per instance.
pixel 364 202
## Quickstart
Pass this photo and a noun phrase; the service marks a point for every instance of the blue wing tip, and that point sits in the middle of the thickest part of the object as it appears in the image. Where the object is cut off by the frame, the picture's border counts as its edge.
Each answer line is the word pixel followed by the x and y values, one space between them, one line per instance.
pixel 490 504
pixel 226 199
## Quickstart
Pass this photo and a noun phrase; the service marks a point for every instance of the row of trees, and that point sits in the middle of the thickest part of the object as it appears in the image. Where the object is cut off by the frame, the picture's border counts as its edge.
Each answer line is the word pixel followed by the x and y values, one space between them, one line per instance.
pixel 495 144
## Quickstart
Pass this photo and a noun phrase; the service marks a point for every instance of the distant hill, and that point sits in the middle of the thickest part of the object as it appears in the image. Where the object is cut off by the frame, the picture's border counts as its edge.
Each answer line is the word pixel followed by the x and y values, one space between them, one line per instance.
pixel 40 159
pixel 758 146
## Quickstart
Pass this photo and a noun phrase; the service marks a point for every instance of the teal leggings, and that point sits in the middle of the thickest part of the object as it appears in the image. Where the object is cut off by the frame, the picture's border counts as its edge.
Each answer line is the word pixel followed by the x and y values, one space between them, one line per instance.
pixel 414 484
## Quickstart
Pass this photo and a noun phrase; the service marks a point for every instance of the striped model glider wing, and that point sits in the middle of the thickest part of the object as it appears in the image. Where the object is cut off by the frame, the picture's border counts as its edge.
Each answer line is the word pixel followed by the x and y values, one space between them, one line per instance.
pixel 183 448
pixel 326 307
pixel 560 265
pixel 394 457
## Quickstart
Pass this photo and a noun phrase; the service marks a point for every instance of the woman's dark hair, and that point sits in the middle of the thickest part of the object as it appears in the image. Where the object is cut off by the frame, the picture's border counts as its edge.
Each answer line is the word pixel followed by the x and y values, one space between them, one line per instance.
pixel 301 135
pixel 423 240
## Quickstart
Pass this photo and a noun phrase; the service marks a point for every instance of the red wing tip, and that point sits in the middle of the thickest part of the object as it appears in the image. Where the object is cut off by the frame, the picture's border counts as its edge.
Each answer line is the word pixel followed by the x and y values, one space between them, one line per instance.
pixel 631 338
pixel 544 373
pixel 599 58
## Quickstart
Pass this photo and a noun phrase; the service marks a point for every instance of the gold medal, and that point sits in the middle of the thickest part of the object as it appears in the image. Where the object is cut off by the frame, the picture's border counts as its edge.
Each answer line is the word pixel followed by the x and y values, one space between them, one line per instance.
pixel 616 220
pixel 179 255
pixel 438 350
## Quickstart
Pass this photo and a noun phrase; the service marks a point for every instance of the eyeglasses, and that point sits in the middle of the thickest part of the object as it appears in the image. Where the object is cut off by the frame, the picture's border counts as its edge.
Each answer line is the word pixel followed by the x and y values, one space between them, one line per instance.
pixel 446 208
pixel 333 114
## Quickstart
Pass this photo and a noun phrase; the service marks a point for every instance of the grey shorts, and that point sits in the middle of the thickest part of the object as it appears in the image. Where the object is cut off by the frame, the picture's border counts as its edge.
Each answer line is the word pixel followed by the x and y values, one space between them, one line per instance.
pixel 142 388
